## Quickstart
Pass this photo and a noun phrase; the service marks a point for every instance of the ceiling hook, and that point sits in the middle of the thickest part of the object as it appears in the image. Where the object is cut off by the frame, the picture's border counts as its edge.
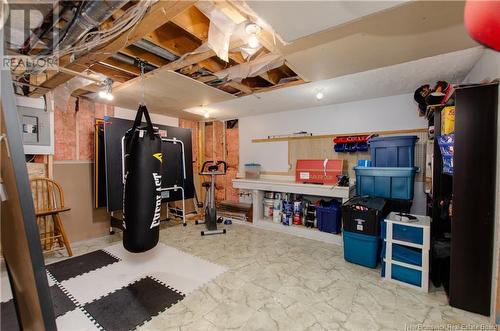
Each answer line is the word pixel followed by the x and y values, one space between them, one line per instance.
pixel 142 66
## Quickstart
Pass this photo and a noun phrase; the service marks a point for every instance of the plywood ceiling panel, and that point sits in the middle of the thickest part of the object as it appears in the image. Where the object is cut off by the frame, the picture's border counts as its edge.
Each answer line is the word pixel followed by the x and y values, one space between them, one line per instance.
pixel 296 19
pixel 167 92
pixel 411 31
pixel 393 80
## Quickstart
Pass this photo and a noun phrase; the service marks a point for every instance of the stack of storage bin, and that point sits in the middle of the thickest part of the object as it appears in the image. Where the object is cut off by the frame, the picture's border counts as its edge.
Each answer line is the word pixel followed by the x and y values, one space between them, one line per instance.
pixel 389 177
pixel 405 250
pixel 361 219
pixel 393 172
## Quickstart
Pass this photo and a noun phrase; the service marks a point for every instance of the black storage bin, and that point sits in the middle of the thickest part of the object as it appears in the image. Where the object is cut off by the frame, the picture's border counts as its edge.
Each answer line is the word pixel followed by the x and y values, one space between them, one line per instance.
pixel 363 215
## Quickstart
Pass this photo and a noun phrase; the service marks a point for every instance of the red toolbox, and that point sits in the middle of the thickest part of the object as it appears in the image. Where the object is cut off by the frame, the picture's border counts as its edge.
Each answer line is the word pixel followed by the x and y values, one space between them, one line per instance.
pixel 319 171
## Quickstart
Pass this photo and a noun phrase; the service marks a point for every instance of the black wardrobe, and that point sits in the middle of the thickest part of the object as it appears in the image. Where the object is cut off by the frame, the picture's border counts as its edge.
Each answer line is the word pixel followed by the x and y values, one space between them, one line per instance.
pixel 471 189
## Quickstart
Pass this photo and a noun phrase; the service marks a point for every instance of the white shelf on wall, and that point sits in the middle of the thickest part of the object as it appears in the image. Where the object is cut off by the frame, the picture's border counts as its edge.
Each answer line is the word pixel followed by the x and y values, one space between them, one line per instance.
pixel 259 186
pixel 286 186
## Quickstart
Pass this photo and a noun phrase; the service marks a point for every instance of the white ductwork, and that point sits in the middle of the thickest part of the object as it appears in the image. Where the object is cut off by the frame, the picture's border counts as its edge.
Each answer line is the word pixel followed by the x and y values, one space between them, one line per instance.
pixel 91 14
pixel 252 68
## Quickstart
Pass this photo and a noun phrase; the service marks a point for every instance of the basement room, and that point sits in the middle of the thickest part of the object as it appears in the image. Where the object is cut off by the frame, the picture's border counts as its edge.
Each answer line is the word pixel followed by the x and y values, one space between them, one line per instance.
pixel 198 165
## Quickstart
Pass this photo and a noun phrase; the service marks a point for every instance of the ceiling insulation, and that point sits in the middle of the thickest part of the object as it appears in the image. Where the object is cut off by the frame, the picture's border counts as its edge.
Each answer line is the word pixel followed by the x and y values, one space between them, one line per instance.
pixel 394 80
pixel 404 33
pixel 296 19
pixel 167 92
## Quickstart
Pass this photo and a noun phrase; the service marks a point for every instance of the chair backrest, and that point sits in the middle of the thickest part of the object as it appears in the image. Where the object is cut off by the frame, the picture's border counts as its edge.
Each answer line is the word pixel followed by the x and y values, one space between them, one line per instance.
pixel 47 194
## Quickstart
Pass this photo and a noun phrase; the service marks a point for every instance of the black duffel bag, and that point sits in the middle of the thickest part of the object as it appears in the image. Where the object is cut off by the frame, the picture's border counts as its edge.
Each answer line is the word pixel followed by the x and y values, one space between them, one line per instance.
pixel 142 187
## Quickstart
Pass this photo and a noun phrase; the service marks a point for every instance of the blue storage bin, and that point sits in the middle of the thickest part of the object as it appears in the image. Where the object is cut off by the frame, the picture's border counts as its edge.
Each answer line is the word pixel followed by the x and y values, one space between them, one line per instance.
pixel 393 151
pixel 329 216
pixel 408 233
pixel 411 234
pixel 389 183
pixel 404 254
pixel 364 163
pixel 403 274
pixel 361 249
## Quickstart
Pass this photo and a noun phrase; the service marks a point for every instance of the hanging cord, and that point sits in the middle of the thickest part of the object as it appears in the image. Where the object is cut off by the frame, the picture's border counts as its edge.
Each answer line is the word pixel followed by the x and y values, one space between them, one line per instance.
pixel 143 87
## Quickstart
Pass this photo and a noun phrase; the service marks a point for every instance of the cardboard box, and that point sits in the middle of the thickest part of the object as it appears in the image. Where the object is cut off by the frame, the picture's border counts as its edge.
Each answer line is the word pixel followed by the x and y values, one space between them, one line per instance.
pixel 319 171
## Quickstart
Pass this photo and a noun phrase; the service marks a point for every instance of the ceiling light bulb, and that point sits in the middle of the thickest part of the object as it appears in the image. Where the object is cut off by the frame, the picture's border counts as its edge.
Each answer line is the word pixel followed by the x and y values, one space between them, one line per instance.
pixel 319 95
pixel 109 97
pixel 103 94
pixel 252 28
pixel 253 41
pixel 207 115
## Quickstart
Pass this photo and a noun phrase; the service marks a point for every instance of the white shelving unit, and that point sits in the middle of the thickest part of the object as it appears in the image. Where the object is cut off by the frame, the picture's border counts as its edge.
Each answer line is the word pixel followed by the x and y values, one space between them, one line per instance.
pixel 259 186
pixel 422 231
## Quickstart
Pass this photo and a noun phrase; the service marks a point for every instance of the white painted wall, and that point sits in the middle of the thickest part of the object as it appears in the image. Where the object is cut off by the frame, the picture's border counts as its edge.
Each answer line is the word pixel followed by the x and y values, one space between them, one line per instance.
pixel 155 118
pixel 387 113
pixel 486 68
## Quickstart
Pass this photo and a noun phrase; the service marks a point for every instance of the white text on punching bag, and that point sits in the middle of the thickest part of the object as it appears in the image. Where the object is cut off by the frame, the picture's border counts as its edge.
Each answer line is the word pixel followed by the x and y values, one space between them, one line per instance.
pixel 156 216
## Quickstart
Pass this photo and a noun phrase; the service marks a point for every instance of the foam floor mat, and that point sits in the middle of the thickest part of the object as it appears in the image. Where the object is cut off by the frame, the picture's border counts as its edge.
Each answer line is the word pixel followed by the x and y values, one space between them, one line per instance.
pixel 112 289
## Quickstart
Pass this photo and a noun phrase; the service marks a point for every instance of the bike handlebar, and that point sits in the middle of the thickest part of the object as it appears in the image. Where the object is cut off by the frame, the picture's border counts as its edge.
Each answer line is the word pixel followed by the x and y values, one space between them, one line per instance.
pixel 216 163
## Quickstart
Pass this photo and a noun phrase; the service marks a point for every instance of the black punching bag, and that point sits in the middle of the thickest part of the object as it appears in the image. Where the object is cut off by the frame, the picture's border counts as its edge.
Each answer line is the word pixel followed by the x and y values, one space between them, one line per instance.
pixel 142 192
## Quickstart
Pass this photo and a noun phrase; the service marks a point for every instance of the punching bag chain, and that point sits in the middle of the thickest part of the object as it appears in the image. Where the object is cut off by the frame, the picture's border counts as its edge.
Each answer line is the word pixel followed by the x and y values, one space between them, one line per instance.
pixel 143 88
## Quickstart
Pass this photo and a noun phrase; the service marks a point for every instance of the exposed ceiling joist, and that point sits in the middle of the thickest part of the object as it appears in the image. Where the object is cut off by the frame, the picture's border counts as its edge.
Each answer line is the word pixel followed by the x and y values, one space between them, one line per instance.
pixel 119 65
pixel 116 75
pixel 160 13
pixel 197 24
pixel 143 55
pixel 173 38
pixel 183 62
pixel 240 86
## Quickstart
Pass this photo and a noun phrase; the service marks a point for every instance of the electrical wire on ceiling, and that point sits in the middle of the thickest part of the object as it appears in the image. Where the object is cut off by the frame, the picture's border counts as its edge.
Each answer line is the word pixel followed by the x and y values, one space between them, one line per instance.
pixel 126 23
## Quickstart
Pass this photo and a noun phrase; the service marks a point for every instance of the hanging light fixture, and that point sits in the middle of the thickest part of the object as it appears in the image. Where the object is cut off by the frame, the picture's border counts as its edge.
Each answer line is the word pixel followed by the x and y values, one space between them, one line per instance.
pixel 107 92
pixel 319 95
pixel 253 30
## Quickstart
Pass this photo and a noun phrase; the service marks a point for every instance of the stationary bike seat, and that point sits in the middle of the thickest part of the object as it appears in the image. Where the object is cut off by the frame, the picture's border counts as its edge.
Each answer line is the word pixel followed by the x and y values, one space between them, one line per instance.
pixel 205 184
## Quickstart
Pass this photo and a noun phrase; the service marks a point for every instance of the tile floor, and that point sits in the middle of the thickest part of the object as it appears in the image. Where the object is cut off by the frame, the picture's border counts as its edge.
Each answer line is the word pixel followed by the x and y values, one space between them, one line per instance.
pixel 281 282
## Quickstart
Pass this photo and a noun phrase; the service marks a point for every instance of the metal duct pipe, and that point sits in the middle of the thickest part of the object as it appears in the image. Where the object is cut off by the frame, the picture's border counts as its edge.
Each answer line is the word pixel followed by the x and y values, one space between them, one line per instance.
pixel 92 13
pixel 130 60
pixel 156 50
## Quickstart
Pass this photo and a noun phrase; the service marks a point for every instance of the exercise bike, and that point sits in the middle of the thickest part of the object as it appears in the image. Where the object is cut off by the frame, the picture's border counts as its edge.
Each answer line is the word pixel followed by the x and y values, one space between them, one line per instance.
pixel 212 169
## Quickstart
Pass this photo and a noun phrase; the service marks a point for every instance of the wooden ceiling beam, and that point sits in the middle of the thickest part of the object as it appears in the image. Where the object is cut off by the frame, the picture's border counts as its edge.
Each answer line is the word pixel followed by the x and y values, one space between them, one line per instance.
pixel 193 21
pixel 186 61
pixel 115 75
pixel 159 13
pixel 197 24
pixel 207 78
pixel 279 86
pixel 121 66
pixel 239 86
pixel 136 52
pixel 173 38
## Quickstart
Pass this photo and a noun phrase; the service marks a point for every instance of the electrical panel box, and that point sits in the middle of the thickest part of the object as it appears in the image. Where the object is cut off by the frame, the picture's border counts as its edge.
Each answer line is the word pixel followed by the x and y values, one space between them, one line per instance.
pixel 37 130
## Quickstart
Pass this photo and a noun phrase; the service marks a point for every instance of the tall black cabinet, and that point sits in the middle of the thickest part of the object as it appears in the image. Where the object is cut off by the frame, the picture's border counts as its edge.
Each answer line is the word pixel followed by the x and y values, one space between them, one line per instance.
pixel 474 181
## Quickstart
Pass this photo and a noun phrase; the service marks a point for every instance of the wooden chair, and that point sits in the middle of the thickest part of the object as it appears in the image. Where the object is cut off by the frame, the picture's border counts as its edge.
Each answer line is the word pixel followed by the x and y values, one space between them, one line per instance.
pixel 48 198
